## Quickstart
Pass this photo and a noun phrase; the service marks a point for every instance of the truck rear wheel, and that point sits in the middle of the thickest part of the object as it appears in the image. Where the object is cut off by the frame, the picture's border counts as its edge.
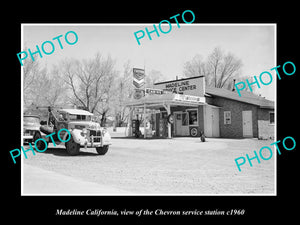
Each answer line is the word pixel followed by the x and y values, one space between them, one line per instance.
pixel 102 150
pixel 72 147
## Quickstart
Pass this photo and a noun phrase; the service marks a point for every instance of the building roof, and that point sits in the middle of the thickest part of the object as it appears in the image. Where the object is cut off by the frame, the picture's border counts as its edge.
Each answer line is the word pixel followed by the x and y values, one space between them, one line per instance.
pixel 177 80
pixel 247 97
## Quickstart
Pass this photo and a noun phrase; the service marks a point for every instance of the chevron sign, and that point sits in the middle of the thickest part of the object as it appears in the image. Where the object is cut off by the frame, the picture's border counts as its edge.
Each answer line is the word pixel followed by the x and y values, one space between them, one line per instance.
pixel 138 77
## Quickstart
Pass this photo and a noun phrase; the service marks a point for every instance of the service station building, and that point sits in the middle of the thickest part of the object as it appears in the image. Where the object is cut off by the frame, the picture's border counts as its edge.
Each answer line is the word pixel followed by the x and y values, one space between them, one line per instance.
pixel 185 107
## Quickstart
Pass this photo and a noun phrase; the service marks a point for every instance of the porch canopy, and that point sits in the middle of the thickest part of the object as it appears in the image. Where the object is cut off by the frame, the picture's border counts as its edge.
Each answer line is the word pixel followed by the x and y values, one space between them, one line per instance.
pixel 166 101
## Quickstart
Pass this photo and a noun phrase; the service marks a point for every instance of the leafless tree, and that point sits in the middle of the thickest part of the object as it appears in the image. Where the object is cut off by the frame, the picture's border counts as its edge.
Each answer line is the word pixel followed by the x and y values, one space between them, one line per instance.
pixel 214 64
pixel 90 82
pixel 41 87
pixel 31 70
pixel 195 67
pixel 219 69
pixel 152 77
pixel 124 91
pixel 104 107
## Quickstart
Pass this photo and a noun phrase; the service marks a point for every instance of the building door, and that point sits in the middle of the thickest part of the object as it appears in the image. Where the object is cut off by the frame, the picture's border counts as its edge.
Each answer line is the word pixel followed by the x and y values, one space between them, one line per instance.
pixel 181 124
pixel 178 122
pixel 208 116
pixel 247 124
pixel 215 122
pixel 185 131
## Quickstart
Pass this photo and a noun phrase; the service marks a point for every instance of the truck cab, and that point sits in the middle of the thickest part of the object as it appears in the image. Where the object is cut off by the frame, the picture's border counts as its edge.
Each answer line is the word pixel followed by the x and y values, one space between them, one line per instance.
pixel 85 132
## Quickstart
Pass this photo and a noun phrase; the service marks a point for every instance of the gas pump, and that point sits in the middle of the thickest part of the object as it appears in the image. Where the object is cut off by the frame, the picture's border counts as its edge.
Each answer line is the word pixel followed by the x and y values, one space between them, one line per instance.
pixel 136 127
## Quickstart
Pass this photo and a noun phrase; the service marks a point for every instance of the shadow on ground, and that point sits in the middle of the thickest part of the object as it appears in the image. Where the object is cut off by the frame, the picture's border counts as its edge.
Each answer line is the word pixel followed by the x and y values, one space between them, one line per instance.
pixel 62 152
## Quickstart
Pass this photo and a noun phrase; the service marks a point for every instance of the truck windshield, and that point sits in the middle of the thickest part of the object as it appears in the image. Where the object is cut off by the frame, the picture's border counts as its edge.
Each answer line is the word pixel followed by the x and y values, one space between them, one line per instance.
pixel 79 117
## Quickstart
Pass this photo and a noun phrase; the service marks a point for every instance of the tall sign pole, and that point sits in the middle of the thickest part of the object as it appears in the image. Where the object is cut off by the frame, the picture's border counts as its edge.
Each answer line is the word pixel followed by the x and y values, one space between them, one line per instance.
pixel 139 83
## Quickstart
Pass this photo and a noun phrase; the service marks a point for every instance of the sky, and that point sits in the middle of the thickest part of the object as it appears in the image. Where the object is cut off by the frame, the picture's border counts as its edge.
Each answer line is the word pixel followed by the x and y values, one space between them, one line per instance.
pixel 254 44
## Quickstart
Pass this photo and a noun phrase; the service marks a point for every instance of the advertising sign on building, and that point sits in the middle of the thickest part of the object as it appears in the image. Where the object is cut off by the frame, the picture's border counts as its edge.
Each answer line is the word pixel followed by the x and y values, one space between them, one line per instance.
pixel 152 91
pixel 227 117
pixel 189 98
pixel 138 77
pixel 187 86
pixel 138 93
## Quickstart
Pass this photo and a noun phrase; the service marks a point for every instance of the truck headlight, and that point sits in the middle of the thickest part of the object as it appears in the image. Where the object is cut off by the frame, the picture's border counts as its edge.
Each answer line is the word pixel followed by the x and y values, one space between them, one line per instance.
pixel 83 132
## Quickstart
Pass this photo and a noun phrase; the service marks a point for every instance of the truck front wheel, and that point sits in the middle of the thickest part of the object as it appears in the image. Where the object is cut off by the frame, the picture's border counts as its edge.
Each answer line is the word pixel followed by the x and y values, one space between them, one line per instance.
pixel 40 144
pixel 102 150
pixel 72 147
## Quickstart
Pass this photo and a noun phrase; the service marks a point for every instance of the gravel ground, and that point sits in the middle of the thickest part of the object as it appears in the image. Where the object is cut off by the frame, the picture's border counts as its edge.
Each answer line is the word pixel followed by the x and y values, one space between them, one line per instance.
pixel 164 166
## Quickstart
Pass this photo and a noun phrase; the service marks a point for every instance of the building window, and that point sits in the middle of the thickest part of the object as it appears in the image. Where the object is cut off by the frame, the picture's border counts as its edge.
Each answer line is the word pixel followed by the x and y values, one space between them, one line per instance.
pixel 184 119
pixel 193 117
pixel 227 117
pixel 164 115
pixel 272 119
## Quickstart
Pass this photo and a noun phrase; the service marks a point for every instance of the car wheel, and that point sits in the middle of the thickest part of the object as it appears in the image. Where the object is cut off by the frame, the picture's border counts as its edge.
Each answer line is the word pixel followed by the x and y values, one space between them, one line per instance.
pixel 40 144
pixel 102 150
pixel 72 147
pixel 36 136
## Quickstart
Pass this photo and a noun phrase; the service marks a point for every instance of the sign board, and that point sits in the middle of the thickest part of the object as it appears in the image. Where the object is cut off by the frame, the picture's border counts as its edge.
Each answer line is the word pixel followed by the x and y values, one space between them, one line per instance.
pixel 187 86
pixel 152 91
pixel 189 98
pixel 227 117
pixel 148 111
pixel 138 93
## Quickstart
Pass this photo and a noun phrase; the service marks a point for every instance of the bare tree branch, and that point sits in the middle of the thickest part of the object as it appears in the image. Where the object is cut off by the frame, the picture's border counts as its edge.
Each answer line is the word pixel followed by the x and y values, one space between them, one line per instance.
pixel 218 69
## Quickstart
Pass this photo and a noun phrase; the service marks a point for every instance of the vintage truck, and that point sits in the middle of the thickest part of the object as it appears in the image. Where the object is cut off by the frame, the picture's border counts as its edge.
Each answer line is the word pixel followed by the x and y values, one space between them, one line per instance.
pixel 31 124
pixel 84 131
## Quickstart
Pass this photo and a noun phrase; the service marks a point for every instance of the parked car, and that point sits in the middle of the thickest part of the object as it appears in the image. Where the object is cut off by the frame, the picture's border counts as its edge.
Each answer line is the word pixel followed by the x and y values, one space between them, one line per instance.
pixel 31 125
pixel 84 131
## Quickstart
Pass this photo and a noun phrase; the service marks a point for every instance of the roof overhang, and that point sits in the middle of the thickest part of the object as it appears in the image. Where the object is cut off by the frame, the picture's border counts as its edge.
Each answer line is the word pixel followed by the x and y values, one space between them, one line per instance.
pixel 157 101
pixel 266 107
pixel 246 97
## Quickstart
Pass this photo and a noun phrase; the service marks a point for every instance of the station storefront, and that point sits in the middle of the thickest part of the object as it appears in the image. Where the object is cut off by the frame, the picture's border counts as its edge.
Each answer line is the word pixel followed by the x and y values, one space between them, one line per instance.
pixel 186 107
pixel 176 108
pixel 167 115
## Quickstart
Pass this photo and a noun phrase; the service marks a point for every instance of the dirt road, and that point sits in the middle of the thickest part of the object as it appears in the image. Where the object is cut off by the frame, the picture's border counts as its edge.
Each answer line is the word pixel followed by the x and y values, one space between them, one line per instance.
pixel 163 166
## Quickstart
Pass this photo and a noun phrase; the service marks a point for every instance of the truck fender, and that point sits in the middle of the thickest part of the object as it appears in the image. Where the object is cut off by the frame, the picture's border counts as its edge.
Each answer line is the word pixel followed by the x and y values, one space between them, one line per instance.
pixel 74 135
pixel 42 134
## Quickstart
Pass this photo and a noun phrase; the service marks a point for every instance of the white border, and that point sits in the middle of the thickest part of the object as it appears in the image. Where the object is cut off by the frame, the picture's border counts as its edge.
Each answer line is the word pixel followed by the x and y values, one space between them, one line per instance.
pixel 143 24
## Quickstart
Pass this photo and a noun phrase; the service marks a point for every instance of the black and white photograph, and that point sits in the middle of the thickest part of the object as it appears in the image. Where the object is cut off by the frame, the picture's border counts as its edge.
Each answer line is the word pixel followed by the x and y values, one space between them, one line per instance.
pixel 164 117
pixel 133 115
